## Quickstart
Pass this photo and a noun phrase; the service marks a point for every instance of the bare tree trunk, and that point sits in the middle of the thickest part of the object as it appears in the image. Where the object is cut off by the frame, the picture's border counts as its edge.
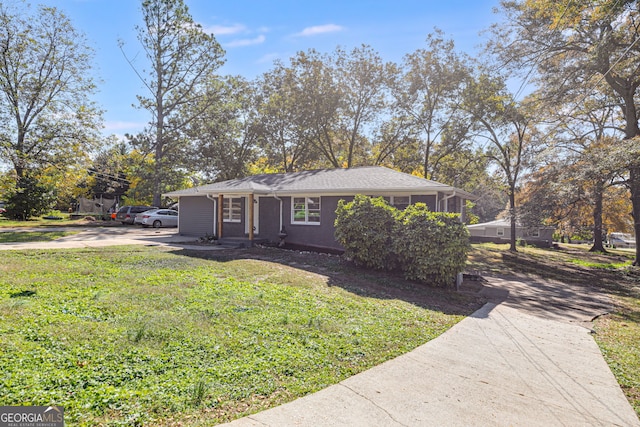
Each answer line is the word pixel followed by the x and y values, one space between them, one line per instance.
pixel 512 214
pixel 634 186
pixel 597 220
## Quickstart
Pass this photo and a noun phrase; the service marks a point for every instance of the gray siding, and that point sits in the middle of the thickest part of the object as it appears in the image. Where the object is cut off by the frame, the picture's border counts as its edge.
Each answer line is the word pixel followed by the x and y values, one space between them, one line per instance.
pixel 269 219
pixel 322 235
pixel 196 216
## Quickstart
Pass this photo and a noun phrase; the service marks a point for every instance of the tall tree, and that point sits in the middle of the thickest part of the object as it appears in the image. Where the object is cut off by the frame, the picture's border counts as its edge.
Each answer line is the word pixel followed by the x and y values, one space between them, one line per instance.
pixel 46 116
pixel 427 91
pixel 224 136
pixel 281 137
pixel 506 126
pixel 362 78
pixel 570 43
pixel 334 100
pixel 182 59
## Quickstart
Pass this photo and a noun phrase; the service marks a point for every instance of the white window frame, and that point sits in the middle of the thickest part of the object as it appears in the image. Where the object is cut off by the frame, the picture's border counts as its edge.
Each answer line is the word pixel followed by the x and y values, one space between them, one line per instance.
pixel 296 200
pixel 500 231
pixel 394 202
pixel 228 209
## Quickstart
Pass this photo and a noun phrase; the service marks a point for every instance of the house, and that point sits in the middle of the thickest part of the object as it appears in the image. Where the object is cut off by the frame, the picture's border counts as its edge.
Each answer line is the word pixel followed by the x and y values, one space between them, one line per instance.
pixel 298 208
pixel 499 231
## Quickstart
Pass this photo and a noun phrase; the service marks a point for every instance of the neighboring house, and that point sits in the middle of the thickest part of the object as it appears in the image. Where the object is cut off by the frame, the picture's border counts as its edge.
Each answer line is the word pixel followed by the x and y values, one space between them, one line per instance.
pixel 499 231
pixel 300 207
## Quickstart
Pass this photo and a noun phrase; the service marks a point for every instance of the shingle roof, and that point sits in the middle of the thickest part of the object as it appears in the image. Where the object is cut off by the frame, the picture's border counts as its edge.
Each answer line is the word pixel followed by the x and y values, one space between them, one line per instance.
pixel 348 181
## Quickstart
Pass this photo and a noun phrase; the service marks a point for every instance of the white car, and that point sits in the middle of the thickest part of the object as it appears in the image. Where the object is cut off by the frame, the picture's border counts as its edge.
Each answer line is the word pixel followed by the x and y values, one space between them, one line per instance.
pixel 157 218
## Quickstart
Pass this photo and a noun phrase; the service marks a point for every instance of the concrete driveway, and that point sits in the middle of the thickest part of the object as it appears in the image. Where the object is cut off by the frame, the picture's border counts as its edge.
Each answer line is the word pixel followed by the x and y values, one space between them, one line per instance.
pixel 95 237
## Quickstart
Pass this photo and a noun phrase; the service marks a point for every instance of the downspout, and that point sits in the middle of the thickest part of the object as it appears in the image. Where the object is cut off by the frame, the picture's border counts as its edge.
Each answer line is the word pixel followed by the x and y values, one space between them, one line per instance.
pixel 275 196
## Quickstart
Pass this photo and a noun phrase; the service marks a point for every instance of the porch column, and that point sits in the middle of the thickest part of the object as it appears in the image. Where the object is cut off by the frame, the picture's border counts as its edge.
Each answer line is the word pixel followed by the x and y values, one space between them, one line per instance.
pixel 251 214
pixel 220 200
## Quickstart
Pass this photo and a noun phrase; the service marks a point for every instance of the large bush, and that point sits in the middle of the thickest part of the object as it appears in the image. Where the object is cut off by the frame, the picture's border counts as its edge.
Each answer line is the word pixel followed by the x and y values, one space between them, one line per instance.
pixel 427 246
pixel 430 246
pixel 364 227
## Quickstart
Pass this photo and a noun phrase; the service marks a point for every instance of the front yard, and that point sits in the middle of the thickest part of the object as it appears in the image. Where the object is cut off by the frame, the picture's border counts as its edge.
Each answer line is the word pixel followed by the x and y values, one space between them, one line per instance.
pixel 142 336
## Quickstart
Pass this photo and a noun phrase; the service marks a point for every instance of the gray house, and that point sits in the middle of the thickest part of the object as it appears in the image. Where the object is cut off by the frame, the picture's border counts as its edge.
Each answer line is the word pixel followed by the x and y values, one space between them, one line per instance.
pixel 299 208
pixel 499 231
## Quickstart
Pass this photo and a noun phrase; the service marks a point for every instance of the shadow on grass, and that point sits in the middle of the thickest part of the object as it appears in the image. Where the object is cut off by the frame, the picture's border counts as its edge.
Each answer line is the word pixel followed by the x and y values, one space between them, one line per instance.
pixel 360 281
pixel 622 282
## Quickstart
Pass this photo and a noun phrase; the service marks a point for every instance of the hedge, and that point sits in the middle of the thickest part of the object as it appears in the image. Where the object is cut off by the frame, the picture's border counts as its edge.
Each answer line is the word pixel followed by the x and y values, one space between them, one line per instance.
pixel 429 247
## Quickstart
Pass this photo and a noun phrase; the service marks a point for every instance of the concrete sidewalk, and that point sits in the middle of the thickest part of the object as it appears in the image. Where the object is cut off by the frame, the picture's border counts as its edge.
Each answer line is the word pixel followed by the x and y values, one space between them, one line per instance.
pixel 502 366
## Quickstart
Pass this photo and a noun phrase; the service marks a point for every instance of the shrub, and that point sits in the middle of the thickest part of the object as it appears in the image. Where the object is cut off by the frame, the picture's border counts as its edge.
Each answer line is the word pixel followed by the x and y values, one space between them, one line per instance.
pixel 430 246
pixel 364 228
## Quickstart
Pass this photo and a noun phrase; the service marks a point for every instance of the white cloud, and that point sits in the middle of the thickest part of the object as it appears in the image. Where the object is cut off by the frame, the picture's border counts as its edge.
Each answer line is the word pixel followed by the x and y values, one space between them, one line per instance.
pixel 246 42
pixel 219 30
pixel 320 29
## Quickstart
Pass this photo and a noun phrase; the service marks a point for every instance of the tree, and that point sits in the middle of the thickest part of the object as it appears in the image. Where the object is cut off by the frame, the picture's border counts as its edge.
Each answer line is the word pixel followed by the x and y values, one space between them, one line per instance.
pixel 580 44
pixel 224 136
pixel 505 125
pixel 106 175
pixel 426 93
pixel 29 198
pixel 362 78
pixel 281 131
pixel 46 117
pixel 182 59
pixel 320 109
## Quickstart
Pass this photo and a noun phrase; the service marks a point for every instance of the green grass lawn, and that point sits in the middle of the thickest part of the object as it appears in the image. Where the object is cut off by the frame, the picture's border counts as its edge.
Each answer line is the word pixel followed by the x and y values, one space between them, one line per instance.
pixel 142 336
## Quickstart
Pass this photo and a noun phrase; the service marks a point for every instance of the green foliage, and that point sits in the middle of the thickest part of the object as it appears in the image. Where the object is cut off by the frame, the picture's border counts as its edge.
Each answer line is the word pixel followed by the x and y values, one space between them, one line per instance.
pixel 364 227
pixel 29 198
pixel 428 246
pixel 472 218
pixel 431 246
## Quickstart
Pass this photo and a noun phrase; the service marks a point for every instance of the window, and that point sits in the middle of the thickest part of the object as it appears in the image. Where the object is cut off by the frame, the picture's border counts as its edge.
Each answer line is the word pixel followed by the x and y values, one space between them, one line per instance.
pixel 400 202
pixel 500 232
pixel 535 232
pixel 306 210
pixel 232 209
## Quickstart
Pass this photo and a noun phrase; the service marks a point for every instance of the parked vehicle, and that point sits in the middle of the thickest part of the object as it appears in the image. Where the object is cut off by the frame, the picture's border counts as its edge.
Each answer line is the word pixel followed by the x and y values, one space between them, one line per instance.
pixel 622 240
pixel 157 218
pixel 127 214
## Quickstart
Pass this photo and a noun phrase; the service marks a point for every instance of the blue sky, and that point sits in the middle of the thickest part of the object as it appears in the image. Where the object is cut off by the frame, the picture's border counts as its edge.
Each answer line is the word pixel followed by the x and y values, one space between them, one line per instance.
pixel 256 32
